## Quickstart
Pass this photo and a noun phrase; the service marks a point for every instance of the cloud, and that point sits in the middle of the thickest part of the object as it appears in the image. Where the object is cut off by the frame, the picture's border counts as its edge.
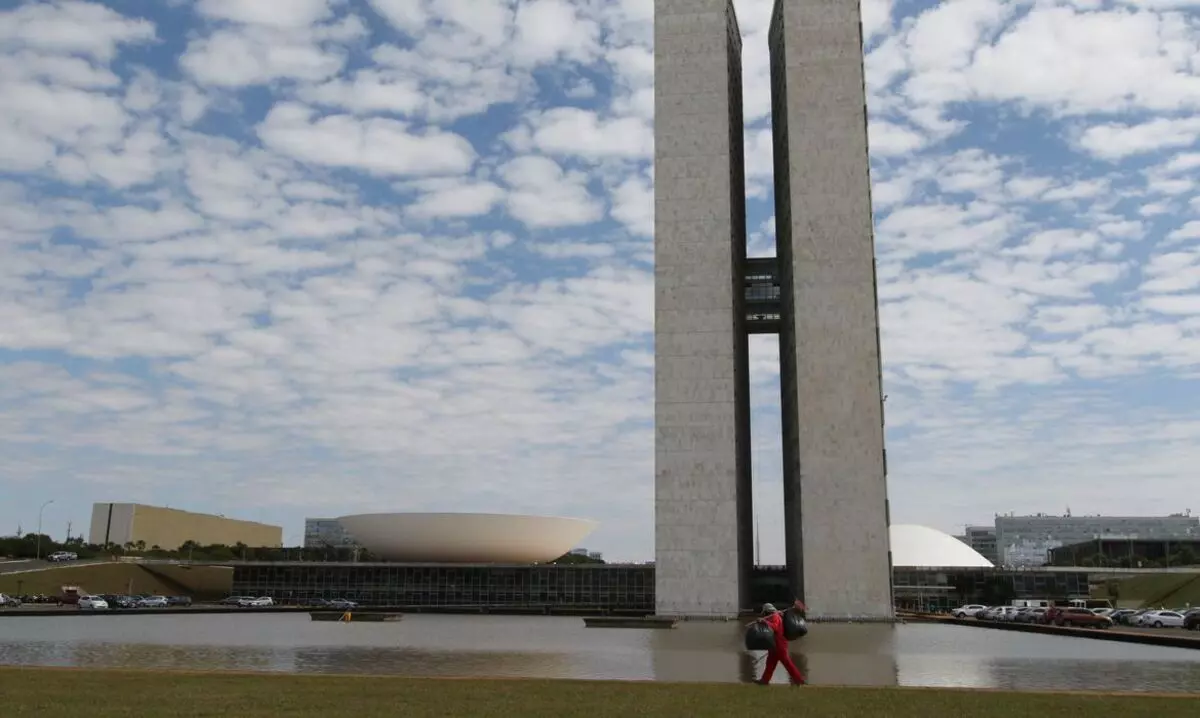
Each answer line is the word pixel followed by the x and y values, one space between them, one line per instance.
pixel 397 255
pixel 543 195
pixel 1113 141
pixel 376 145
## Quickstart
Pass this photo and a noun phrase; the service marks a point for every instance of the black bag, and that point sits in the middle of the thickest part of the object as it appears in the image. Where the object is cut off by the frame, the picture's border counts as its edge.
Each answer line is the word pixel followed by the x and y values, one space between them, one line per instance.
pixel 759 637
pixel 794 625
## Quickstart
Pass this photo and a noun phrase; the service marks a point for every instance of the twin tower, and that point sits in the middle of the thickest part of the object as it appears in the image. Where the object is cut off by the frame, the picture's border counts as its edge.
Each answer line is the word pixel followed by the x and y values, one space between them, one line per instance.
pixel 818 294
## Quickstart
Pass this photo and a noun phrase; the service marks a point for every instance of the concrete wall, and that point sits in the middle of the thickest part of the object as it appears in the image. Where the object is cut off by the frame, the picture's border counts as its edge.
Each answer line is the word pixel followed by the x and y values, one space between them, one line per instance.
pixel 169 528
pixel 835 475
pixel 111 524
pixel 702 468
pixel 199 582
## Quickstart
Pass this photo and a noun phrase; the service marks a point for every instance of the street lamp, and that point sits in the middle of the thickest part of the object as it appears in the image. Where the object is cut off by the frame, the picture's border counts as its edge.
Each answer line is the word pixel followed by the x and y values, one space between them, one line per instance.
pixel 39 536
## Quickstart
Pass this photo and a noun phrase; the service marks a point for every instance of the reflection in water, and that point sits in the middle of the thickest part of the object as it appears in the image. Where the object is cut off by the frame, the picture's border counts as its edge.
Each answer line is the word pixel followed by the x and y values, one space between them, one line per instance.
pixel 555 647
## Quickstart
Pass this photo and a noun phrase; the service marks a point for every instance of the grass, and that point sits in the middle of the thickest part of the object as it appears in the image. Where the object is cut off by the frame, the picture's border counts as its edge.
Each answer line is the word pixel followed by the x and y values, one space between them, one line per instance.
pixel 1187 594
pixel 1172 589
pixel 29 692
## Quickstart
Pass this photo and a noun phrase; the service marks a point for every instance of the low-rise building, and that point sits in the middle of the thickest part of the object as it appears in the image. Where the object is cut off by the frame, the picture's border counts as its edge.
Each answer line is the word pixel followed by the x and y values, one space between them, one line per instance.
pixel 128 524
pixel 1027 540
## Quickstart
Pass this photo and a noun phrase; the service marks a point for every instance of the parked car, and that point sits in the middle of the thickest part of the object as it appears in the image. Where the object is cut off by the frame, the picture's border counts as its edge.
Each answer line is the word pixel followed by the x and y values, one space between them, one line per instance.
pixel 341 604
pixel 1036 615
pixel 971 610
pixel 1191 620
pixel 7 601
pixel 179 600
pixel 92 603
pixel 62 556
pixel 152 602
pixel 1082 617
pixel 1162 619
pixel 1121 615
pixel 1007 613
pixel 261 602
pixel 235 600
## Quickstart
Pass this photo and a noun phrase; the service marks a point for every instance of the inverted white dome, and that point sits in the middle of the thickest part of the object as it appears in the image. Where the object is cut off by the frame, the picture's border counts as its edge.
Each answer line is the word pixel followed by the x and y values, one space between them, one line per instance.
pixel 916 546
pixel 466 538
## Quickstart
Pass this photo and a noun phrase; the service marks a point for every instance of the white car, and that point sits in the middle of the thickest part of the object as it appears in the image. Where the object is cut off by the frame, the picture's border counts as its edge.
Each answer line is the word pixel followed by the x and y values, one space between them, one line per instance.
pixel 92 603
pixel 256 602
pixel 970 610
pixel 9 601
pixel 1005 613
pixel 153 602
pixel 62 556
pixel 1161 619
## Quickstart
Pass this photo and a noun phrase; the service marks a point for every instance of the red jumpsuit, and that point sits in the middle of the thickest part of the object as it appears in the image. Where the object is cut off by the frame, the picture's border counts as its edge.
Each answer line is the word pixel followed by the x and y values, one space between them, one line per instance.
pixel 779 654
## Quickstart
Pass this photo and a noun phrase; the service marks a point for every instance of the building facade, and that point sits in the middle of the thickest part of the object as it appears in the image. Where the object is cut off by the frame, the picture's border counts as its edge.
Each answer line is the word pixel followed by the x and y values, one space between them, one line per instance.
pixel 1027 540
pixel 983 540
pixel 818 295
pixel 834 468
pixel 617 589
pixel 1129 552
pixel 326 533
pixel 124 524
pixel 703 517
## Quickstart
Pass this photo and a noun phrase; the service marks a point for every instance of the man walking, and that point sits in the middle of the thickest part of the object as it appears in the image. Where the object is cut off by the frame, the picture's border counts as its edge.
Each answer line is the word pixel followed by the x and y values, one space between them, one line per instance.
pixel 779 652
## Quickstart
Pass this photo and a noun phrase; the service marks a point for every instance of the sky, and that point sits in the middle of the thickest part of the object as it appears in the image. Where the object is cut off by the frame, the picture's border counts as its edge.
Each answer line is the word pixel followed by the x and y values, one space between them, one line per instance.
pixel 317 257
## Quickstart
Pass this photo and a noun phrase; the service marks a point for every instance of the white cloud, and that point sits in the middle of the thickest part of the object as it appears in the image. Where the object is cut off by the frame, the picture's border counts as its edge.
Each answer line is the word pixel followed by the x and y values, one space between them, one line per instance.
pixel 575 132
pixel 455 198
pixel 543 195
pixel 72 27
pixel 254 56
pixel 1114 141
pixel 379 146
pixel 293 14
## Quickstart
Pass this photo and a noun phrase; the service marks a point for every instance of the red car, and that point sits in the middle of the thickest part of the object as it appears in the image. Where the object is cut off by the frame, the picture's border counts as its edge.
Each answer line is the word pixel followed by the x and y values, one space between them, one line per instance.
pixel 1081 617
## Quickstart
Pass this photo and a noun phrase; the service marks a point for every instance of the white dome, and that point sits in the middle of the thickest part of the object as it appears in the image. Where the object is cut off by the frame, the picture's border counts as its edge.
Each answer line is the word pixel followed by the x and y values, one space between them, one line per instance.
pixel 466 538
pixel 922 547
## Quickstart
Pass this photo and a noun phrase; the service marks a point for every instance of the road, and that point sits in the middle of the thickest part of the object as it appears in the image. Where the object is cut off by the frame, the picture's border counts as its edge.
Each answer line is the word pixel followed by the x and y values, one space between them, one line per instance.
pixel 29 564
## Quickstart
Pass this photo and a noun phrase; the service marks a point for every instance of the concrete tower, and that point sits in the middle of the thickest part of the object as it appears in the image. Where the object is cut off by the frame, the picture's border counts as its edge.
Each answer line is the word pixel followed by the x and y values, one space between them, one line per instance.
pixel 703 527
pixel 835 470
pixel 818 296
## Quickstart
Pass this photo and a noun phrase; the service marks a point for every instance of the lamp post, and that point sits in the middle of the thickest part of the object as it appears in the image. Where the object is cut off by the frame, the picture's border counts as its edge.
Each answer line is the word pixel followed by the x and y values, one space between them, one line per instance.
pixel 39 535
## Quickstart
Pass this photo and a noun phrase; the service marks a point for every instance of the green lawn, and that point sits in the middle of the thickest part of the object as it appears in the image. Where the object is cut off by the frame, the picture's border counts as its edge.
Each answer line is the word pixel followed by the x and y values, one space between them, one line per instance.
pixel 30 692
pixel 1165 589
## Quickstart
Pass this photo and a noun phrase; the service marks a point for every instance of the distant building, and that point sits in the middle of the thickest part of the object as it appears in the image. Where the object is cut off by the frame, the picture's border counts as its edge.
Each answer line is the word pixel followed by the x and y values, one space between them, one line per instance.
pixel 326 533
pixel 125 524
pixel 1027 540
pixel 595 555
pixel 983 540
pixel 1128 552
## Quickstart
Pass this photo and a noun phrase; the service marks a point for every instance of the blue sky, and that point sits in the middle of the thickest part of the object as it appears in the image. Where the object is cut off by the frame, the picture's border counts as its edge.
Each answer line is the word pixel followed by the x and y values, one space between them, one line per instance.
pixel 315 257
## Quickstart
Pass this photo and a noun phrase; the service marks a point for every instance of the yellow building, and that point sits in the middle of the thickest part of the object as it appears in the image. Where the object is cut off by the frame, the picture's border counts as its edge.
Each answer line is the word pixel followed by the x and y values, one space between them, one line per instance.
pixel 168 529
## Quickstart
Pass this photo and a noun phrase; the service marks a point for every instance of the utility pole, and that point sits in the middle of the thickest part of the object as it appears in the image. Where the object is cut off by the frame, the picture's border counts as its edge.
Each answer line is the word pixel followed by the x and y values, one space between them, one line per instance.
pixel 68 532
pixel 39 533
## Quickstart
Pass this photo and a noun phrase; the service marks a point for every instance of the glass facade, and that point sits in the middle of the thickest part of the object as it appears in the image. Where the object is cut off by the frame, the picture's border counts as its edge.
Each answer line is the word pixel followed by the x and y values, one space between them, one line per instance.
pixel 606 588
pixel 1027 540
pixel 542 587
pixel 326 533
pixel 943 589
